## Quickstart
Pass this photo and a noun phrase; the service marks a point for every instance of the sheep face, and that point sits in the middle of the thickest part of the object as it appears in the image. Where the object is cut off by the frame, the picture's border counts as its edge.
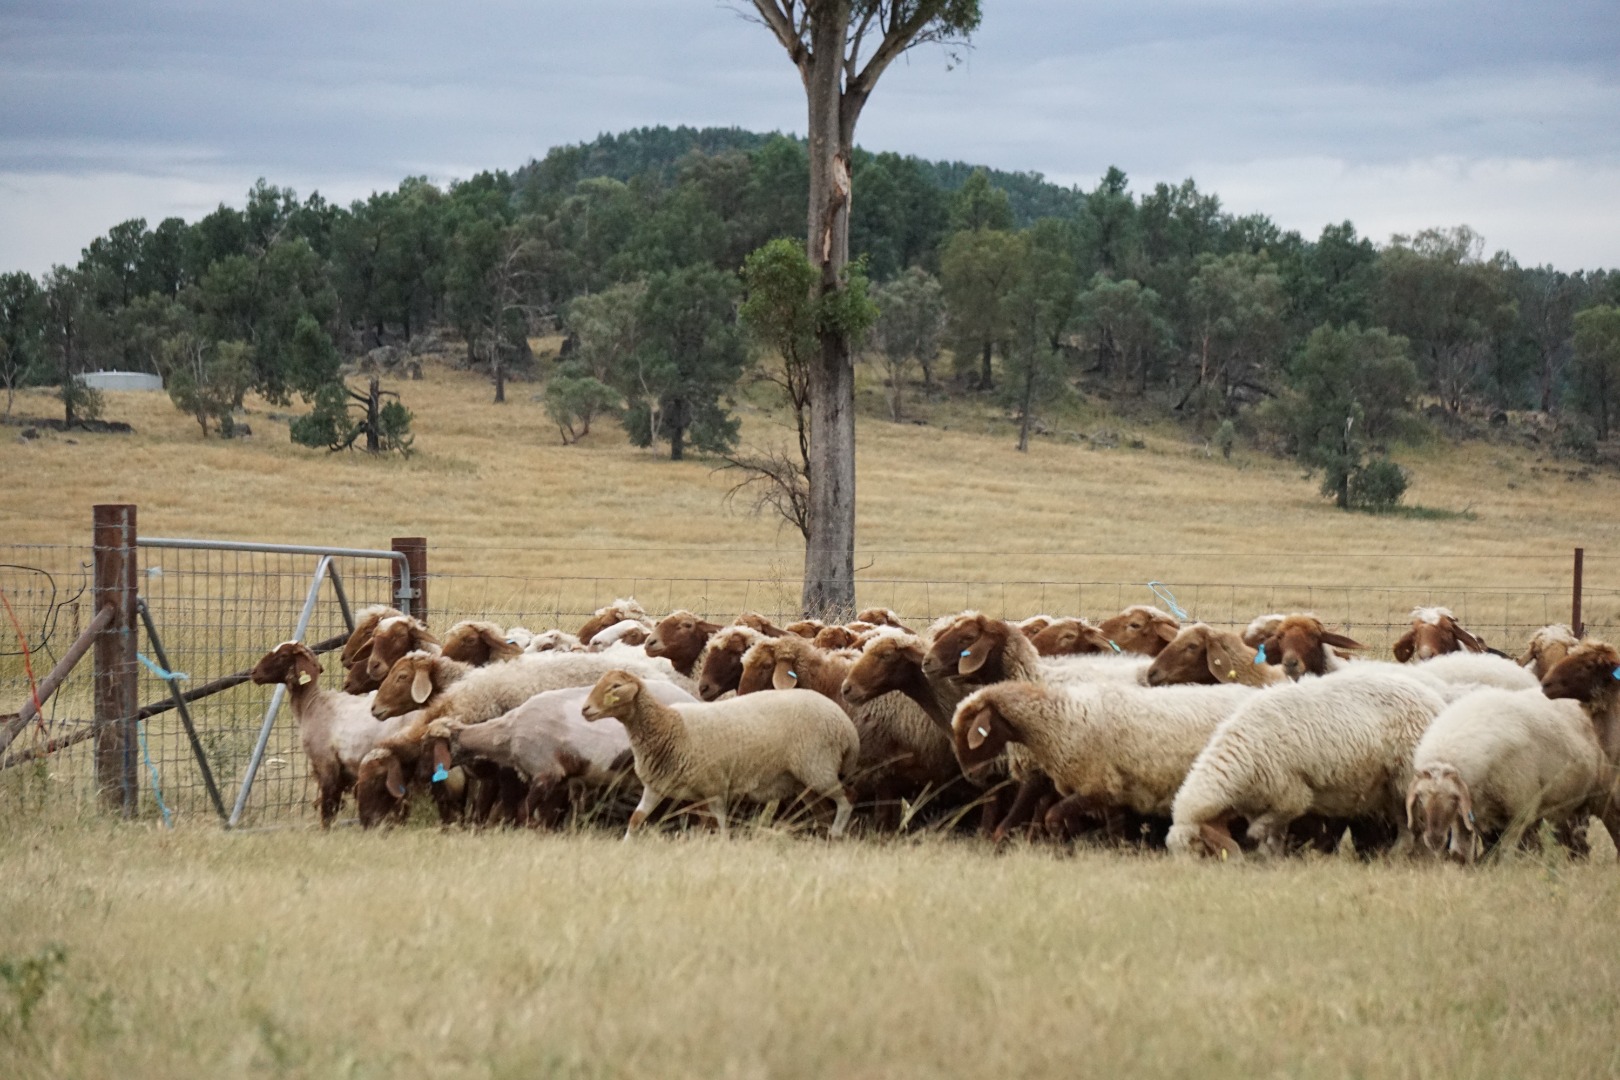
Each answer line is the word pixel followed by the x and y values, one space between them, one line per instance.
pixel 553 641
pixel 393 639
pixel 970 648
pixel 888 663
pixel 1440 813
pixel 616 612
pixel 836 637
pixel 1261 630
pixel 410 685
pixel 1434 632
pixel 805 628
pixel 291 663
pixel 479 644
pixel 613 695
pixel 1300 646
pixel 753 620
pixel 881 616
pixel 1547 647
pixel 1070 637
pixel 679 637
pixel 1589 673
pixel 363 629
pixel 979 733
pixel 1184 661
pixel 759 667
pixel 722 666
pixel 1140 629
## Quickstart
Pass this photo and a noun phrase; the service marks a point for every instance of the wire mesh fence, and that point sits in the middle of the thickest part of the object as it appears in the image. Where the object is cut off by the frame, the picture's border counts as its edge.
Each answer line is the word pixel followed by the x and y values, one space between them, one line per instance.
pixel 215 612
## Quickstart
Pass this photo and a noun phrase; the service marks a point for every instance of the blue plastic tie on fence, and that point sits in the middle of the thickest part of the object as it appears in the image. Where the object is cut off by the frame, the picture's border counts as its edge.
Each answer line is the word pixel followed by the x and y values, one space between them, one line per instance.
pixel 157 789
pixel 1160 590
pixel 1260 654
pixel 166 676
pixel 441 774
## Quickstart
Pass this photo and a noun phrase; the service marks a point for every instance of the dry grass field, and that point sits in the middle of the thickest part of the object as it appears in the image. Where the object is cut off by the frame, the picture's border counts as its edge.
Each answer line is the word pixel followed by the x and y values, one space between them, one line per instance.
pixel 287 952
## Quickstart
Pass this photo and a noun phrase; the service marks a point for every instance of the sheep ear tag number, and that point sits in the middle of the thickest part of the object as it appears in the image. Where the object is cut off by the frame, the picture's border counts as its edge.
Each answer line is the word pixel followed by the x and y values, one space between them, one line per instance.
pixel 440 774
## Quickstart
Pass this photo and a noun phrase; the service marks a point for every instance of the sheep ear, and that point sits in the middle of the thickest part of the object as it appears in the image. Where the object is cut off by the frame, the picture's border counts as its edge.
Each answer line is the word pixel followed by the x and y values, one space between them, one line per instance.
pixel 1465 804
pixel 360 655
pixel 975 656
pixel 1270 651
pixel 396 778
pixel 1411 808
pixel 422 685
pixel 980 725
pixel 1469 641
pixel 1405 646
pixel 499 648
pixel 308 668
pixel 1167 630
pixel 784 677
pixel 1227 665
pixel 1339 641
pixel 441 755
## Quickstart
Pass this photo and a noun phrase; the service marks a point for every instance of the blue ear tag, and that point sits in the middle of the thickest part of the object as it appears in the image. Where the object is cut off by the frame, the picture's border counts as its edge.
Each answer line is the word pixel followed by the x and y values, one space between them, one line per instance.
pixel 441 773
pixel 1260 654
pixel 1616 673
pixel 965 652
pixel 1112 644
pixel 794 675
pixel 511 641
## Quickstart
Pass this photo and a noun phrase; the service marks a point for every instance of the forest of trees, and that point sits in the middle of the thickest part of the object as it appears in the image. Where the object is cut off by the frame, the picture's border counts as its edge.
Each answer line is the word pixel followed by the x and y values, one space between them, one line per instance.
pixel 983 282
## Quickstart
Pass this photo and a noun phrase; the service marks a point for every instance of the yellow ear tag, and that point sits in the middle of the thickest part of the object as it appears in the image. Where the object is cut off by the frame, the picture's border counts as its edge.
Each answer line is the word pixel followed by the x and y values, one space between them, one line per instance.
pixel 610 698
pixel 303 678
pixel 1231 674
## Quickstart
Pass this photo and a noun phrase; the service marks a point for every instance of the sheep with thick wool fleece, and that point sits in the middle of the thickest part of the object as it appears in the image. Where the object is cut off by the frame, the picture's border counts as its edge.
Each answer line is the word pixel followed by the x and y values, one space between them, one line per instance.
pixel 1498 762
pixel 1338 747
pixel 764 747
pixel 1110 745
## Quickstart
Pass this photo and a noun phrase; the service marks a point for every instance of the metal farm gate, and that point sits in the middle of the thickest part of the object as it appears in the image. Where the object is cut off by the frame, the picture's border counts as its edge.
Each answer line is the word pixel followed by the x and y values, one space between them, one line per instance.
pixel 127 662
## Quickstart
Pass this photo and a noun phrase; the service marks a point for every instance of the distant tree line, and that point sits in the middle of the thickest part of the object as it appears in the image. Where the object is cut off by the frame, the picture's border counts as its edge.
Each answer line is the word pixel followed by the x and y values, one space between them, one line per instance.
pixel 634 245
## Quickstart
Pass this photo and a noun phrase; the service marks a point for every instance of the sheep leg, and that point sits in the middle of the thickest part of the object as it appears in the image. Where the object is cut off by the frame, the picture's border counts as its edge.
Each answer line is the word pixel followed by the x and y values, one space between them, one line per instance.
pixel 1034 787
pixel 717 807
pixel 329 799
pixel 841 800
pixel 646 805
pixel 997 802
pixel 1067 817
pixel 1571 836
pixel 1269 831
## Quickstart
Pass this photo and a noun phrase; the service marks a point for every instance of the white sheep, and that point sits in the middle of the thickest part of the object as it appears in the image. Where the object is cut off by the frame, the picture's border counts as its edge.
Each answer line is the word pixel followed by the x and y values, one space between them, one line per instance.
pixel 765 747
pixel 1498 762
pixel 553 641
pixel 335 729
pixel 620 610
pixel 1339 747
pixel 1108 745
pixel 624 632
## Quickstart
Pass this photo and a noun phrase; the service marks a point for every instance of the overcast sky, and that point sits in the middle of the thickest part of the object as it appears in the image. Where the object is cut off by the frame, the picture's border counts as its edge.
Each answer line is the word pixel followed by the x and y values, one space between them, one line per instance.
pixel 1396 114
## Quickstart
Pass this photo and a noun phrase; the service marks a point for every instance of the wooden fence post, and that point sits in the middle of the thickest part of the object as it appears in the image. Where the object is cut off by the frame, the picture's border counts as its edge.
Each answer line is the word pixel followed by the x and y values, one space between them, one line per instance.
pixel 117 778
pixel 414 548
pixel 1575 600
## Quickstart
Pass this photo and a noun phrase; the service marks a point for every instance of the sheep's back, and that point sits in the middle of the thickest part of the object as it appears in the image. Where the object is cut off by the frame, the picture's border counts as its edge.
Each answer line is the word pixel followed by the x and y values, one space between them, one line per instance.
pixel 753 745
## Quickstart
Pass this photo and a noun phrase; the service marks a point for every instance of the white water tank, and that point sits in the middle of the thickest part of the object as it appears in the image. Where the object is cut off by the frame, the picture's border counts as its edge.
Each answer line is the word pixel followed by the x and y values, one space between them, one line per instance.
pixel 122 380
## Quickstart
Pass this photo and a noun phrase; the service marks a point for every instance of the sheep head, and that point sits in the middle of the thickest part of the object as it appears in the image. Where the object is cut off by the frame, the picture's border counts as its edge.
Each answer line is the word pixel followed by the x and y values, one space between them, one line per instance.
pixel 882 616
pixel 890 661
pixel 394 638
pixel 291 663
pixel 980 730
pixel 379 787
pixel 365 625
pixel 614 695
pixel 1590 674
pixel 721 669
pixel 1034 625
pixel 1440 812
pixel 971 647
pixel 1070 637
pixel 1204 655
pixel 1547 647
pixel 1262 629
pixel 805 628
pixel 757 622
pixel 758 668
pixel 554 641
pixel 1140 629
pixel 1434 632
pixel 1300 645
pixel 837 637
pixel 618 611
pixel 679 637
pixel 411 683
pixel 479 644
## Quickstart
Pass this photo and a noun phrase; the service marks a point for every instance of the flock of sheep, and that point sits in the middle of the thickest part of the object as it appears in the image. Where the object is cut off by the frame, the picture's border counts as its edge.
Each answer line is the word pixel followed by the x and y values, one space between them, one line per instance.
pixel 1133 731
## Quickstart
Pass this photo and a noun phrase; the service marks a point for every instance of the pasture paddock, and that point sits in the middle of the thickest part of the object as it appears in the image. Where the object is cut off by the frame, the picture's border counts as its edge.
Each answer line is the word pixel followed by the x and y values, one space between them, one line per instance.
pixel 283 951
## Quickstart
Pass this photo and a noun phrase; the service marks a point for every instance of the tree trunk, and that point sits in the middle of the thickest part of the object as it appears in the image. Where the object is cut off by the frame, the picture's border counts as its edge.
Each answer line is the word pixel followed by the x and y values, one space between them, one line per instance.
pixel 677 442
pixel 986 376
pixel 1023 419
pixel 829 555
pixel 500 381
pixel 374 417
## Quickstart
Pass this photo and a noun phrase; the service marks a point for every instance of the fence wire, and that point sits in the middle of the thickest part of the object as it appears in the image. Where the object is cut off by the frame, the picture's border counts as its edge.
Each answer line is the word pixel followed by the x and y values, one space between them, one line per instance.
pixel 218 612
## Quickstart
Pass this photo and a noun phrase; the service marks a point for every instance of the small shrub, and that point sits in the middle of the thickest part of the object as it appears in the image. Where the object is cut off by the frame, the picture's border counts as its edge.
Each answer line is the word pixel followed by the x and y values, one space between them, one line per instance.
pixel 28 978
pixel 1226 438
pixel 1377 485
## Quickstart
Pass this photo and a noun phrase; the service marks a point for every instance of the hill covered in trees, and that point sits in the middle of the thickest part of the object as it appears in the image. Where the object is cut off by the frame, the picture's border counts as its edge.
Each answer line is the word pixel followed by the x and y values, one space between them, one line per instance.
pixel 988 283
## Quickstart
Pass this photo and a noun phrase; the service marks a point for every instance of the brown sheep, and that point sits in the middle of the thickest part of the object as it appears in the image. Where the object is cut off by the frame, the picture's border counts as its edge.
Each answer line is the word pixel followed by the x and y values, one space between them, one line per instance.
pixel 839 637
pixel 1303 646
pixel 478 644
pixel 805 628
pixel 1203 655
pixel 720 667
pixel 393 638
pixel 618 611
pixel 1140 629
pixel 755 621
pixel 365 624
pixel 1071 637
pixel 1434 632
pixel 882 616
pixel 1034 625
pixel 1547 647
pixel 1590 674
pixel 679 638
